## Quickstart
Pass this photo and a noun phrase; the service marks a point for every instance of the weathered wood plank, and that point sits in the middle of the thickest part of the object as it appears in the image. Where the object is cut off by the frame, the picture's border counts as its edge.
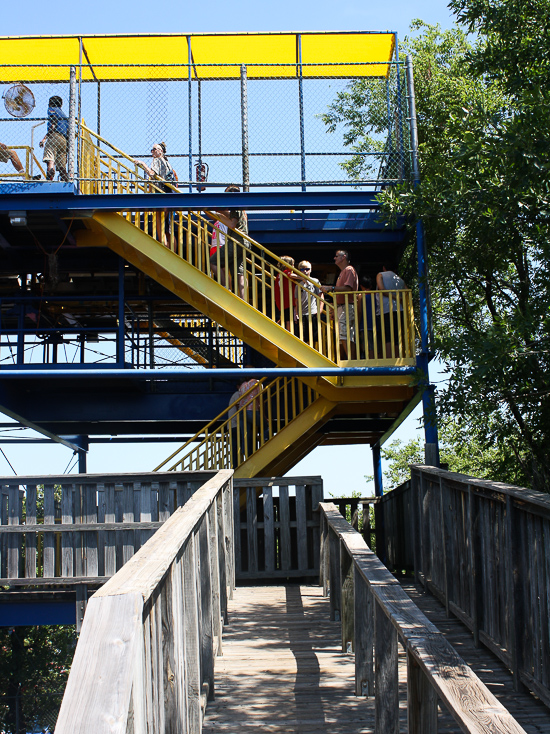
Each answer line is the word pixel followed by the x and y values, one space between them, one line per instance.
pixel 105 654
pixel 421 700
pixel 269 531
pixel 192 642
pixel 49 540
pixel 363 637
pixel 301 526
pixel 386 683
pixel 284 528
pixel 30 538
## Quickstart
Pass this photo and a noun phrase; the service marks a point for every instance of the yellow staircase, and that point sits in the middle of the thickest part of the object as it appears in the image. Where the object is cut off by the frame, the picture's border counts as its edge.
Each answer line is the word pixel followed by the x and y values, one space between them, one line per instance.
pixel 173 249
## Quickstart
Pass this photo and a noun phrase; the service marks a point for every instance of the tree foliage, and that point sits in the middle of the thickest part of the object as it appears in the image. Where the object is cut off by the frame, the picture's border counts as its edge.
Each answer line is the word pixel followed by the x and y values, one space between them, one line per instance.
pixel 34 667
pixel 484 200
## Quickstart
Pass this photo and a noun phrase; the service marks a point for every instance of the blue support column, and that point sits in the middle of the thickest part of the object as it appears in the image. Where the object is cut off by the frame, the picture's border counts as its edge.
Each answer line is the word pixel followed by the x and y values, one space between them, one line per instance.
pixel 120 332
pixel 428 395
pixel 377 468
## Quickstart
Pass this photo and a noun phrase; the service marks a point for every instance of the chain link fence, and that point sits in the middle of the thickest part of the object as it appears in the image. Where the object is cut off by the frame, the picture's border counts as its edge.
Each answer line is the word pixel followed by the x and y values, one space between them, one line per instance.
pixel 30 712
pixel 265 127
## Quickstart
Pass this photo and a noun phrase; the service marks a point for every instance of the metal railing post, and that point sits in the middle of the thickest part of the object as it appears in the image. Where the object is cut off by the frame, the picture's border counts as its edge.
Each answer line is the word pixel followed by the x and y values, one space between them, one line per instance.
pixel 244 124
pixel 72 125
pixel 301 101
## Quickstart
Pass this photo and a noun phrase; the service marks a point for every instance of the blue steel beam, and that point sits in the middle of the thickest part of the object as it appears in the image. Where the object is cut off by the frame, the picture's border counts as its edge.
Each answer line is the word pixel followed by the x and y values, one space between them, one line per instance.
pixel 185 374
pixel 87 203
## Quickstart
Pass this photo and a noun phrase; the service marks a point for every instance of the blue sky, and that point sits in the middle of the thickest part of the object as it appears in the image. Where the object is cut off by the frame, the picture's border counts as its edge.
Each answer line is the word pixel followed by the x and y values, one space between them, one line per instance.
pixel 342 468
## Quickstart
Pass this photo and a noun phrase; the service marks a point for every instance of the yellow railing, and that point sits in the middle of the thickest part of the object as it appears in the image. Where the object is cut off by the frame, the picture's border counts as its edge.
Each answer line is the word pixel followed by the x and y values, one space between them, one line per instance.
pixel 256 275
pixel 240 430
pixel 28 164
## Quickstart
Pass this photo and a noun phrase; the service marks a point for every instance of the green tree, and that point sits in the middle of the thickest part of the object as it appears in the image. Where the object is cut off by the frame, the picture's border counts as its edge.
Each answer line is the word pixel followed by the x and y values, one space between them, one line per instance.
pixel 34 667
pixel 484 199
pixel 460 450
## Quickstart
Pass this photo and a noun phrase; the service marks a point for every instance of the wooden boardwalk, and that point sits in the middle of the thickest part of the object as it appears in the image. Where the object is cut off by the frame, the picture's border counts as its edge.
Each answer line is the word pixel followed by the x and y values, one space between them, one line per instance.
pixel 282 669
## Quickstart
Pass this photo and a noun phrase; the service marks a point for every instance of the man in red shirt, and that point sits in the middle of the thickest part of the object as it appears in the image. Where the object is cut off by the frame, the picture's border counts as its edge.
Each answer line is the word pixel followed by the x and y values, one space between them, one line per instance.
pixel 347 282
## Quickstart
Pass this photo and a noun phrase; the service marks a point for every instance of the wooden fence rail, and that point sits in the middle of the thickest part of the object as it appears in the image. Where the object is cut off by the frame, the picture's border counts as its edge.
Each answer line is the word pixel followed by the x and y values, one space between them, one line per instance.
pixel 277 527
pixel 145 658
pixel 83 526
pixel 375 614
pixel 483 548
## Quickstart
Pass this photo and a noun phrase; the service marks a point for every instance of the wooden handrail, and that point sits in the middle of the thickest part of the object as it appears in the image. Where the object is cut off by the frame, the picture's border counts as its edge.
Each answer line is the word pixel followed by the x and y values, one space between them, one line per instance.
pixel 379 613
pixel 483 552
pixel 150 634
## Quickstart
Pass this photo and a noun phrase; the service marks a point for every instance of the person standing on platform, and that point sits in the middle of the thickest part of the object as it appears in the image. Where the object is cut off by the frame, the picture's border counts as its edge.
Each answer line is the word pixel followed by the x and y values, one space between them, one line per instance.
pixel 311 305
pixel 387 280
pixel 235 219
pixel 55 140
pixel 347 282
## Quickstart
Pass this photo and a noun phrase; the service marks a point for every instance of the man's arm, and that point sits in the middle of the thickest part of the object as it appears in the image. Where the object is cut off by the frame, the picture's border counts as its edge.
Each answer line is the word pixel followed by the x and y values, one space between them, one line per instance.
pixel 223 217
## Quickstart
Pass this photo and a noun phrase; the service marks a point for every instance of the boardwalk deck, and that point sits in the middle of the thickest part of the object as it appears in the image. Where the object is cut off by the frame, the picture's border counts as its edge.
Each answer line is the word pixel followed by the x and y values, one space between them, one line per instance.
pixel 282 670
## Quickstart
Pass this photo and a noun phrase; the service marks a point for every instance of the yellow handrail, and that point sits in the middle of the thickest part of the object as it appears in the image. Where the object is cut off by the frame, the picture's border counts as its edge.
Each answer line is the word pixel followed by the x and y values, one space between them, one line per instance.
pixel 243 432
pixel 334 326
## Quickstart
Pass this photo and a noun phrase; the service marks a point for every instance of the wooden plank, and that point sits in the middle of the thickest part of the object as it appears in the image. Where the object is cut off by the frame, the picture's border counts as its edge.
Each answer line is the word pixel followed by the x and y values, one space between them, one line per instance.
pixel 347 599
pixel 206 627
pixel 284 528
pixel 192 643
pixel 14 545
pixel 269 531
pixel 335 579
pixel 316 498
pixel 164 501
pixel 145 514
pixel 30 538
pixel 472 705
pixel 49 540
pixel 386 681
pixel 91 536
pixel 169 653
pixel 110 539
pixel 252 530
pixel 215 576
pixel 105 654
pixel 301 527
pixel 363 637
pixel 236 508
pixel 421 700
pixel 128 516
pixel 101 533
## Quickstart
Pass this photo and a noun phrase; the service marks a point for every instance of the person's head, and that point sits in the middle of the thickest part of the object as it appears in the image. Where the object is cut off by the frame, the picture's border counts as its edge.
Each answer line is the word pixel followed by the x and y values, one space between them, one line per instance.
pixel 55 102
pixel 387 267
pixel 367 283
pixel 341 258
pixel 232 190
pixel 158 150
pixel 304 266
pixel 288 260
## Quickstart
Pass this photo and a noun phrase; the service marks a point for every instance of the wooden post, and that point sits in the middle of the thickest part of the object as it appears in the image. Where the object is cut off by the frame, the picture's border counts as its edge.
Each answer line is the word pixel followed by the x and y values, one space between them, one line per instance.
pixel 269 530
pixel 443 509
pixel 207 642
pixel 192 648
pixel 215 575
pixel 386 709
pixel 348 606
pixel 284 525
pixel 514 607
pixel 474 575
pixel 30 538
pixel 323 581
pixel 252 529
pixel 363 637
pixel 335 580
pixel 421 700
pixel 81 604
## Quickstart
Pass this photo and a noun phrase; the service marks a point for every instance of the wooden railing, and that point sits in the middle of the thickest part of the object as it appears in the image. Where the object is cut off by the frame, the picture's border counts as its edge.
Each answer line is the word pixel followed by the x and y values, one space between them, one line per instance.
pixel 83 526
pixel 256 274
pixel 145 657
pixel 237 433
pixel 483 549
pixel 277 527
pixel 375 614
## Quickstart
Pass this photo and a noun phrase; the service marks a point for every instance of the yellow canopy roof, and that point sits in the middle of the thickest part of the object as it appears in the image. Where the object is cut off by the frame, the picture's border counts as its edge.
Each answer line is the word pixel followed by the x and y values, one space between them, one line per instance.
pixel 328 54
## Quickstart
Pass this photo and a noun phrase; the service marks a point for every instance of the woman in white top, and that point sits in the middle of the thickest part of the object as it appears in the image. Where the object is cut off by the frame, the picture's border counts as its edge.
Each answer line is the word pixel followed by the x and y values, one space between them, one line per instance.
pixel 161 169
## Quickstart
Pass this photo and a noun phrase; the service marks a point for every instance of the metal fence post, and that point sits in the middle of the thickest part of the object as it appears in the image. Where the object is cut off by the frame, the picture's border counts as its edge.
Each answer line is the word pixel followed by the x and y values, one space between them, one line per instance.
pixel 244 123
pixel 72 126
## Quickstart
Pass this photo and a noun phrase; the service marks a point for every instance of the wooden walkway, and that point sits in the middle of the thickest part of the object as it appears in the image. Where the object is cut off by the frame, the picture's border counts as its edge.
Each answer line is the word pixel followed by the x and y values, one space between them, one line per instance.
pixel 282 669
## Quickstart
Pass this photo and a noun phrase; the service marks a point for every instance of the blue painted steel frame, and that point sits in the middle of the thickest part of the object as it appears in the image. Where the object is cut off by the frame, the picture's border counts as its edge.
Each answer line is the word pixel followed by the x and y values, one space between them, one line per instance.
pixel 85 203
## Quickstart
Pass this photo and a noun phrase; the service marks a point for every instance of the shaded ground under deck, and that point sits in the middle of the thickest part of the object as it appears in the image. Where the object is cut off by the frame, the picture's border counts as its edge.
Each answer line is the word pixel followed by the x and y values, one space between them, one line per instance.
pixel 282 668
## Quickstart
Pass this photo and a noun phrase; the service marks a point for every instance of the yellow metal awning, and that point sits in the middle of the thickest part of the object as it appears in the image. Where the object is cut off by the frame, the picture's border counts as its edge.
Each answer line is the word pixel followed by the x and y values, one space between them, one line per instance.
pixel 214 56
